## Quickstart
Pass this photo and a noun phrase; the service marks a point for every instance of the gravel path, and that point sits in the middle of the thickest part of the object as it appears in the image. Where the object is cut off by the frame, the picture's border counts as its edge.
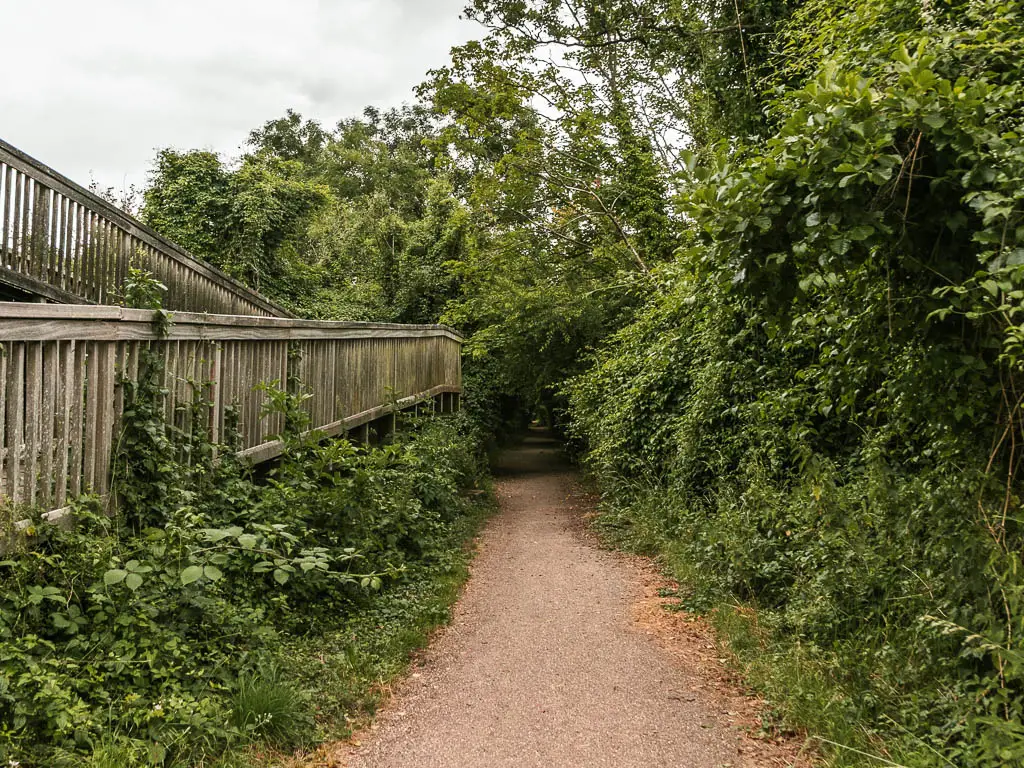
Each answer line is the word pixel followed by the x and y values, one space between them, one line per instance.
pixel 543 664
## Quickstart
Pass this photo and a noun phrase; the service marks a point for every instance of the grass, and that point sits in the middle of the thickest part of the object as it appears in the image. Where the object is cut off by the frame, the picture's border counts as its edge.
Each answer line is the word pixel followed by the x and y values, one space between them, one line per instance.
pixel 796 687
pixel 116 751
pixel 269 708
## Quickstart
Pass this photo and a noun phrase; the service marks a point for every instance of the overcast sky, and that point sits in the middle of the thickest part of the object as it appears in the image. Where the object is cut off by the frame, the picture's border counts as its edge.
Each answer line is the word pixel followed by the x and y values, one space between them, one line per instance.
pixel 94 87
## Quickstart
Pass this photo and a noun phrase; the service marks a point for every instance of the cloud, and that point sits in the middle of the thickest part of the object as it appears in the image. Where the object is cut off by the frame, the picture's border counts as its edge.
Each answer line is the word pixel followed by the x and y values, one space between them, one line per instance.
pixel 101 85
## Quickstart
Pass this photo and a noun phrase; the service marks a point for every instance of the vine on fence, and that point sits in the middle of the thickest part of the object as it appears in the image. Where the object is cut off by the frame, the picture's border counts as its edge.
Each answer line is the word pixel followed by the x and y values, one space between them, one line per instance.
pixel 148 625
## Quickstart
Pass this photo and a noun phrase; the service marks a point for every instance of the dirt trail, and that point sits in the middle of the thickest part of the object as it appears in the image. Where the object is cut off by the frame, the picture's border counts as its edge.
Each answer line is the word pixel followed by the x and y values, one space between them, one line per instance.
pixel 548 661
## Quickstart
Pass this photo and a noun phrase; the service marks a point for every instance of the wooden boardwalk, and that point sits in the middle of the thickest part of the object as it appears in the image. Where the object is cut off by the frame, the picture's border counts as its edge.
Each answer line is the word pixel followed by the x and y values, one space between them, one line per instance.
pixel 63 365
pixel 60 242
pixel 62 368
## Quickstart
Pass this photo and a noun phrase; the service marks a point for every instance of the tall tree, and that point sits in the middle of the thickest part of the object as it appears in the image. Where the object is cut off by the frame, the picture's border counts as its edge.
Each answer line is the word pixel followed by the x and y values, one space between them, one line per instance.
pixel 246 221
pixel 358 223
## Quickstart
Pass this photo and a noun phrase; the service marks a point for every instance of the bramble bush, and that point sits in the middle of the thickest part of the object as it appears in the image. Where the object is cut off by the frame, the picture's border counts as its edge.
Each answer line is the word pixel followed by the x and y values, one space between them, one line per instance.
pixel 151 637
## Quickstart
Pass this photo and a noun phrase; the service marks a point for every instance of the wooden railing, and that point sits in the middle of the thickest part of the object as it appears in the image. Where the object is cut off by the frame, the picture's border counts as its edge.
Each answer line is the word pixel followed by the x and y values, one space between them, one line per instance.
pixel 61 243
pixel 62 367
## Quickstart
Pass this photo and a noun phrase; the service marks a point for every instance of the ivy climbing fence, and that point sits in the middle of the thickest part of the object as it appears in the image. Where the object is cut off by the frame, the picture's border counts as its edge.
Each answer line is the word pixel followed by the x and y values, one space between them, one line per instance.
pixel 63 368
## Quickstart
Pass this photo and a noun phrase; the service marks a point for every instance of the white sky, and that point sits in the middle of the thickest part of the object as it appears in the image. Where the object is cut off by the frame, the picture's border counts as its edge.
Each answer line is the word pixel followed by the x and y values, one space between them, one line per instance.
pixel 94 87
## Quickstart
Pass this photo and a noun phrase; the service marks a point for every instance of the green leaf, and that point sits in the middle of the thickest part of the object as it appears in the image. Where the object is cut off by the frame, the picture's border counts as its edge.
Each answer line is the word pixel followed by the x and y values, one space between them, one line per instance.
pixel 247 541
pixel 192 573
pixel 213 573
pixel 114 576
pixel 133 581
pixel 280 576
pixel 839 245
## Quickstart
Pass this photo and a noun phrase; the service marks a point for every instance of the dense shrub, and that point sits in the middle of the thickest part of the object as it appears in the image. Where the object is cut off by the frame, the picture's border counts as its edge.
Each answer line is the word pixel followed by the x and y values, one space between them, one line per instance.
pixel 819 414
pixel 148 635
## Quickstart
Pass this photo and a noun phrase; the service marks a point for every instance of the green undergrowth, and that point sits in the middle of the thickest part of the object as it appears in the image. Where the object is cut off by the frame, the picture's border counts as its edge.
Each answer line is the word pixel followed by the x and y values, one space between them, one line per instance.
pixel 816 422
pixel 350 669
pixel 841 636
pixel 802 693
pixel 215 618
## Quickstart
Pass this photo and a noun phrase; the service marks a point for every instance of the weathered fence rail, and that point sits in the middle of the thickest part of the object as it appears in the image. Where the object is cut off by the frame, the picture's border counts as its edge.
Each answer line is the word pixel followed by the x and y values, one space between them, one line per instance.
pixel 62 368
pixel 62 243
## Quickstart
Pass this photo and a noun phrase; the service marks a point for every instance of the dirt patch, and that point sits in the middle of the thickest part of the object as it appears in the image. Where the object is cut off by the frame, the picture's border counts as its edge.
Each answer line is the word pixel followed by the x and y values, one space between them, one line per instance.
pixel 691 642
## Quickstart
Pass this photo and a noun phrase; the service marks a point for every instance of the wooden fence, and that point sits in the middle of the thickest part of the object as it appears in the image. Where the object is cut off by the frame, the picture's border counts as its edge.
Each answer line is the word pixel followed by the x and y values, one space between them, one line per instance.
pixel 61 243
pixel 62 367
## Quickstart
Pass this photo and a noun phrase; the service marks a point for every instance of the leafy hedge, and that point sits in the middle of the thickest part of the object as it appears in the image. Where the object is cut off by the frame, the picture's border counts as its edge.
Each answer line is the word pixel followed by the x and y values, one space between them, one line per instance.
pixel 152 636
pixel 819 414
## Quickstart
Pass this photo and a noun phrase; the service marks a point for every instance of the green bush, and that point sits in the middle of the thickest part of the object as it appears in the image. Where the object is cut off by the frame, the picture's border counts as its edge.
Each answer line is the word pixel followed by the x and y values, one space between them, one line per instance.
pixel 147 635
pixel 818 416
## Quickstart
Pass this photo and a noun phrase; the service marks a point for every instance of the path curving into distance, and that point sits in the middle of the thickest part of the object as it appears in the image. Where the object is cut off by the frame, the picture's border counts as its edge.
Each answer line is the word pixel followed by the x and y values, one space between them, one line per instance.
pixel 544 664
